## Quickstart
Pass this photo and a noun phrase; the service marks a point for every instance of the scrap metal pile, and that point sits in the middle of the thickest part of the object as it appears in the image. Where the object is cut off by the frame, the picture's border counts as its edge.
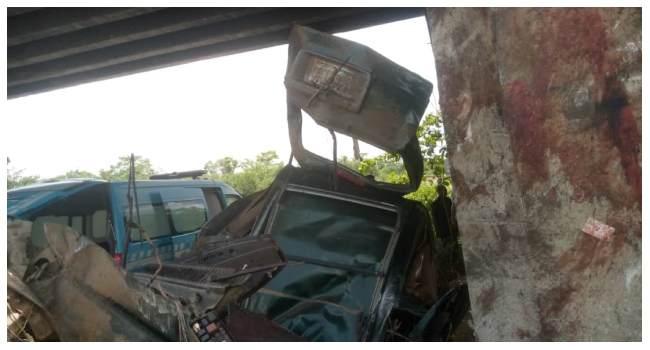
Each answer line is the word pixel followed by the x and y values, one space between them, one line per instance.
pixel 74 291
pixel 323 254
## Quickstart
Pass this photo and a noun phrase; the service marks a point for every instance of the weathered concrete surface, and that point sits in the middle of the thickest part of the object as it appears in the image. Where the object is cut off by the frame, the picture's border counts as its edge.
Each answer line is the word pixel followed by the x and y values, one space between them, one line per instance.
pixel 542 109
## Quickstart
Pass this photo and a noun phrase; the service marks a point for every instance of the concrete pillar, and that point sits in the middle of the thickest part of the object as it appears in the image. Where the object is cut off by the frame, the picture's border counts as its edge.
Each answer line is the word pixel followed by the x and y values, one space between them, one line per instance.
pixel 542 110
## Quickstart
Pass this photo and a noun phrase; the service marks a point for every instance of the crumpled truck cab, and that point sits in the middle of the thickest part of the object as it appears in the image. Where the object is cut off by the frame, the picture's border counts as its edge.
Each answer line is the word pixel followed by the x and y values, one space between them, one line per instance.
pixel 360 256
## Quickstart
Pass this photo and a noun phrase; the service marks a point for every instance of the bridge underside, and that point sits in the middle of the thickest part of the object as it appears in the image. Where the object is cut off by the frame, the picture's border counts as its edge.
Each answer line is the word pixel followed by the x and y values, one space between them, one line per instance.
pixel 53 48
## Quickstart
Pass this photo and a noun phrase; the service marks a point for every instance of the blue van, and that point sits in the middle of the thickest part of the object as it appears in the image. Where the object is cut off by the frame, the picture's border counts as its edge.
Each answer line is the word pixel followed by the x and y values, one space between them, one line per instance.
pixel 171 211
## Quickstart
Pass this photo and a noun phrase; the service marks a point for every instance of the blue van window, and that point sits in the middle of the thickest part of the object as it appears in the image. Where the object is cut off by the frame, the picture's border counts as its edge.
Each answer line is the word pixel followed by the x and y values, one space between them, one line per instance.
pixel 231 198
pixel 153 218
pixel 77 223
pixel 38 228
pixel 99 223
pixel 187 216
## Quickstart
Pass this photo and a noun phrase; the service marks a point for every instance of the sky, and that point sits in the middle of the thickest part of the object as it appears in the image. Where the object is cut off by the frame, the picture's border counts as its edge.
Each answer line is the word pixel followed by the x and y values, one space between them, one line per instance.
pixel 184 116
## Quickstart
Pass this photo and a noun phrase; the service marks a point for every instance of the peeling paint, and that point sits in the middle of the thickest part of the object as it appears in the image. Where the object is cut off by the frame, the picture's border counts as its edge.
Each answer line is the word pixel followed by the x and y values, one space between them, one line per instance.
pixel 598 229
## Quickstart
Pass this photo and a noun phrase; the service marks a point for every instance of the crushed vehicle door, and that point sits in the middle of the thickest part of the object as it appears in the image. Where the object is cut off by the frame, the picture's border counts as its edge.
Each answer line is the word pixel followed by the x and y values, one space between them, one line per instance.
pixel 349 88
pixel 340 248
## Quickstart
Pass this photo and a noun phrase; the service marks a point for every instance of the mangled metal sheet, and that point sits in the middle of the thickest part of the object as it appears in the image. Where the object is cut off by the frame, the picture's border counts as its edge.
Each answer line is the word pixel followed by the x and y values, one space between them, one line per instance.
pixel 24 308
pixel 93 299
pixel 221 272
pixel 18 234
pixel 74 291
pixel 351 89
pixel 356 265
pixel 348 88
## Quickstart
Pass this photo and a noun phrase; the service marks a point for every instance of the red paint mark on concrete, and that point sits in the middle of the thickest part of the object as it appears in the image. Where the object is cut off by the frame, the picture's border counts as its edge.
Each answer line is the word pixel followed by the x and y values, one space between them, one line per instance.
pixel 522 334
pixel 574 45
pixel 564 259
pixel 617 243
pixel 559 297
pixel 551 304
pixel 485 300
pixel 589 254
pixel 464 194
pixel 582 33
pixel 585 249
pixel 598 229
pixel 624 133
pixel 480 190
pixel 552 194
pixel 525 123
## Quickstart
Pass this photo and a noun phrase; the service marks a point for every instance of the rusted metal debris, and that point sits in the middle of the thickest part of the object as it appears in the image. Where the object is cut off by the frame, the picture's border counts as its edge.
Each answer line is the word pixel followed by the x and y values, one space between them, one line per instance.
pixel 72 290
pixel 18 233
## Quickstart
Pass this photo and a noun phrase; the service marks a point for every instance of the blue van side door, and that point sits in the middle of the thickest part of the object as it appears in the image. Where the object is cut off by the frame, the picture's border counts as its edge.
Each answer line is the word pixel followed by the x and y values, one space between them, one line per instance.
pixel 187 211
pixel 171 215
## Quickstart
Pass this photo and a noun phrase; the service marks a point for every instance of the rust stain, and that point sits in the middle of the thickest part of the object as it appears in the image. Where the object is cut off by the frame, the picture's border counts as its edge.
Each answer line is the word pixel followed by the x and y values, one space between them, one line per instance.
pixel 623 131
pixel 575 46
pixel 588 253
pixel 480 190
pixel 525 122
pixel 552 194
pixel 585 249
pixel 485 300
pixel 460 186
pixel 465 96
pixel 563 259
pixel 548 332
pixel 559 297
pixel 522 334
pixel 551 304
pixel 463 191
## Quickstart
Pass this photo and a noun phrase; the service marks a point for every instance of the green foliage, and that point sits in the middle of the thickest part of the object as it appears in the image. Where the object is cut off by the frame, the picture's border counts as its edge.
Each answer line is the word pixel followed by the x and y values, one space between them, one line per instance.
pixel 389 168
pixel 223 166
pixel 449 262
pixel 75 174
pixel 120 170
pixel 15 178
pixel 254 175
pixel 349 163
pixel 425 194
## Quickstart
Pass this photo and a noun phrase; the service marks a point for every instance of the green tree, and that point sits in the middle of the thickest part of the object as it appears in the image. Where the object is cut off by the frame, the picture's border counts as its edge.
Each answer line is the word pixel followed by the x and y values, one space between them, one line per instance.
pixel 248 176
pixel 15 178
pixel 222 166
pixel 120 170
pixel 76 174
pixel 245 183
pixel 349 163
pixel 389 168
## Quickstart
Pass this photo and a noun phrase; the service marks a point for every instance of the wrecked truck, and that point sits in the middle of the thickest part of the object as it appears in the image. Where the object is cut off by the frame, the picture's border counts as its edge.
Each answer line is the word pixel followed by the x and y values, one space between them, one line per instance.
pixel 324 252
pixel 360 256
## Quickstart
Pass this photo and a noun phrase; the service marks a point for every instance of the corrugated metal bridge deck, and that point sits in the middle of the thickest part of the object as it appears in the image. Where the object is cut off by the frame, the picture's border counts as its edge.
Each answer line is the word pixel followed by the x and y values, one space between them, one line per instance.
pixel 53 48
